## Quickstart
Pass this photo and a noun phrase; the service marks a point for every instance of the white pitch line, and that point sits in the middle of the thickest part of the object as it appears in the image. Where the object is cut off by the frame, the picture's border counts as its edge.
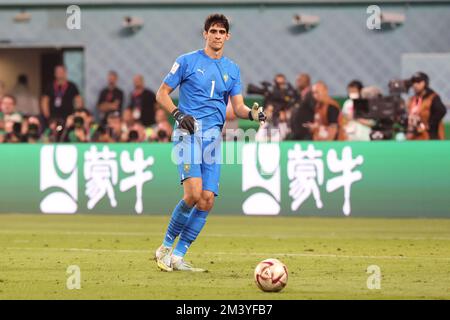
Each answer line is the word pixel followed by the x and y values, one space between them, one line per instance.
pixel 221 235
pixel 80 233
pixel 318 255
pixel 304 255
pixel 78 250
pixel 134 234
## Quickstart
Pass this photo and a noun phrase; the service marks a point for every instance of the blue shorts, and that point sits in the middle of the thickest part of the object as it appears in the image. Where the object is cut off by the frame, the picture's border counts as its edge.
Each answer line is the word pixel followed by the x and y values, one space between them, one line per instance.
pixel 200 157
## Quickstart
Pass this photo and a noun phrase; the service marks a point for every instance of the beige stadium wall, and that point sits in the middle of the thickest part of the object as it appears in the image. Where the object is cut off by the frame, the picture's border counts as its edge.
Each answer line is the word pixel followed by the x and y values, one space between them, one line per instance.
pixel 16 61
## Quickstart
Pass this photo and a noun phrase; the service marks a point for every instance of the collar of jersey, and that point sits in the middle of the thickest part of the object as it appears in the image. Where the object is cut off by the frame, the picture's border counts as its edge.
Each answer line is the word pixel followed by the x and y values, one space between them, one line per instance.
pixel 202 51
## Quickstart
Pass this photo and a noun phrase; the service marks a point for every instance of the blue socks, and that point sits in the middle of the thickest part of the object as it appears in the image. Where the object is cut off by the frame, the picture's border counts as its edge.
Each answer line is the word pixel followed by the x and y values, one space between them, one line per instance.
pixel 179 219
pixel 190 232
pixel 186 222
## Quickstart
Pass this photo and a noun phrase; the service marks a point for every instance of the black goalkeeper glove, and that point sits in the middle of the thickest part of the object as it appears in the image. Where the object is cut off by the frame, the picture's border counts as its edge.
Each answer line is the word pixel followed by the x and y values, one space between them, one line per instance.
pixel 185 121
pixel 256 113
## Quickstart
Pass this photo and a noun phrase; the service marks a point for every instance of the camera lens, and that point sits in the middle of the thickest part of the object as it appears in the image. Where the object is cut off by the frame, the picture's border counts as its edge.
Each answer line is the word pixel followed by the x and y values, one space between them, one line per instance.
pixel 33 128
pixel 133 135
pixel 78 122
pixel 17 128
pixel 162 134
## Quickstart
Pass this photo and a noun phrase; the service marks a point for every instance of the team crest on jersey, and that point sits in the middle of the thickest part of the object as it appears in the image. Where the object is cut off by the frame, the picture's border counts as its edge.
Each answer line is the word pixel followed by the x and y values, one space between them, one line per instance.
pixel 225 77
pixel 187 167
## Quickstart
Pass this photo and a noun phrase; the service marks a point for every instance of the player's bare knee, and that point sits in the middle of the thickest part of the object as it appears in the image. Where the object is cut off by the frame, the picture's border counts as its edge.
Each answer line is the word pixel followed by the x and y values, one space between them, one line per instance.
pixel 204 205
pixel 206 201
pixel 192 199
pixel 192 191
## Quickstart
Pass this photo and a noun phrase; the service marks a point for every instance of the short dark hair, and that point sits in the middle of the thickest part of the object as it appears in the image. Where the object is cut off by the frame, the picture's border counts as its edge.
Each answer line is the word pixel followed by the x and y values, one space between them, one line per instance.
pixel 420 76
pixel 216 18
pixel 13 98
pixel 83 110
pixel 355 84
pixel 113 114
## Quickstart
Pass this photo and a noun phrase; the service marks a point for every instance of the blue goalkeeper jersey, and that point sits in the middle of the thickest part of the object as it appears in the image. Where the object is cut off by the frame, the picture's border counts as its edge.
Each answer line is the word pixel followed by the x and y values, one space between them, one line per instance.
pixel 205 86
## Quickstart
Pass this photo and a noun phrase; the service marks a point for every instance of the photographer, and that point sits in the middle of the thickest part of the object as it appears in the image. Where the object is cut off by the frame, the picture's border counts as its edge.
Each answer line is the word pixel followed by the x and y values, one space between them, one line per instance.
pixel 102 135
pixel 162 130
pixel 113 131
pixel 54 131
pixel 137 133
pixel 13 132
pixel 10 120
pixel 115 127
pixel 32 130
pixel 282 98
pixel 78 127
pixel 425 111
pixel 356 129
pixel 281 95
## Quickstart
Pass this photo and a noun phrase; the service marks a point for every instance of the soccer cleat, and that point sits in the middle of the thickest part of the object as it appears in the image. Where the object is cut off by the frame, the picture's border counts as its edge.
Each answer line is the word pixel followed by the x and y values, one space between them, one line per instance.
pixel 178 264
pixel 162 257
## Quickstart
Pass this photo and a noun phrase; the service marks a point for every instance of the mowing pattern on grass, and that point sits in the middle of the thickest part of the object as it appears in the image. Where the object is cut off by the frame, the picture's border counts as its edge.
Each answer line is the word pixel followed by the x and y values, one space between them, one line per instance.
pixel 327 258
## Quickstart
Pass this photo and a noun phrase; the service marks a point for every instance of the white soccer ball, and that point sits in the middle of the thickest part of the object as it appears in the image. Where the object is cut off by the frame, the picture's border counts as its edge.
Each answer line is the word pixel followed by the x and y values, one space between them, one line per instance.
pixel 271 275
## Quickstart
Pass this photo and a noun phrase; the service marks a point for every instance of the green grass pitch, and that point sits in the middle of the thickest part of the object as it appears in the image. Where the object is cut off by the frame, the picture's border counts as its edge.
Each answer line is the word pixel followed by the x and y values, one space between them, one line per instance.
pixel 327 258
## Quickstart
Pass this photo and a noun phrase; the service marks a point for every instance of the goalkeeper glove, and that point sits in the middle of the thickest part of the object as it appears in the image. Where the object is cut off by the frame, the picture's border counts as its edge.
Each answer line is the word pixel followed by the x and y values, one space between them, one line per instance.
pixel 185 121
pixel 256 113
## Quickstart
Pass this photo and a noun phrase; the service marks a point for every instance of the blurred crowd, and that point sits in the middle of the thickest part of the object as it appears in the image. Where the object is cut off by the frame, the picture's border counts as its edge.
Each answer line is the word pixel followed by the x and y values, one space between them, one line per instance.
pixel 303 111
pixel 61 116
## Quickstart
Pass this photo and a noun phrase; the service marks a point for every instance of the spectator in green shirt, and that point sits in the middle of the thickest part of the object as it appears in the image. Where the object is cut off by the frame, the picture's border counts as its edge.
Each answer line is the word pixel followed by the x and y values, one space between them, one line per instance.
pixel 10 120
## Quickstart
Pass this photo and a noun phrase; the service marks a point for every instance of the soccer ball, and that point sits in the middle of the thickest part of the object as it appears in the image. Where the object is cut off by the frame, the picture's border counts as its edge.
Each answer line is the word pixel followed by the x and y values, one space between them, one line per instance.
pixel 271 275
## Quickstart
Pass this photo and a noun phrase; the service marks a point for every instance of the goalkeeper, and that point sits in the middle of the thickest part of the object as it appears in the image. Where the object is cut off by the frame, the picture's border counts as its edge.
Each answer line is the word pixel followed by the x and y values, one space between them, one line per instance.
pixel 206 81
